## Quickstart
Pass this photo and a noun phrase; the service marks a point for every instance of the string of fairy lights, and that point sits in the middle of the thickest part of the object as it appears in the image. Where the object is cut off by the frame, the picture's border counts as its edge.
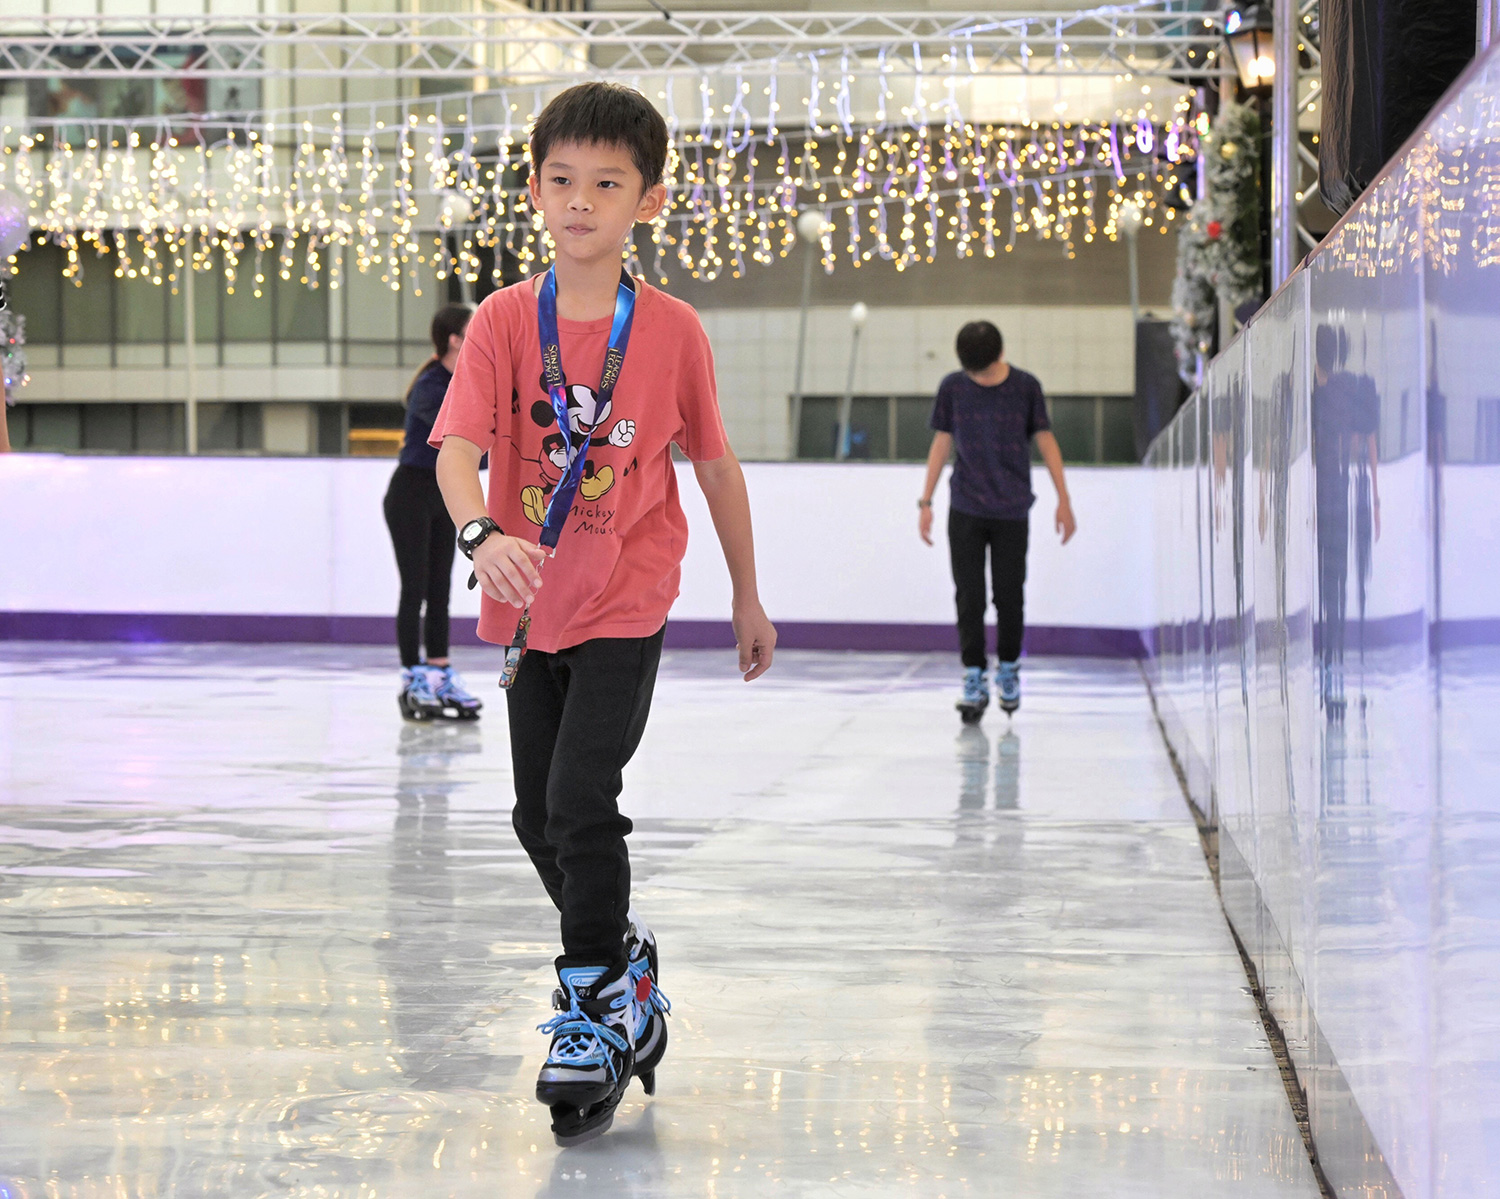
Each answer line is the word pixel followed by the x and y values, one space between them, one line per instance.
pixel 421 194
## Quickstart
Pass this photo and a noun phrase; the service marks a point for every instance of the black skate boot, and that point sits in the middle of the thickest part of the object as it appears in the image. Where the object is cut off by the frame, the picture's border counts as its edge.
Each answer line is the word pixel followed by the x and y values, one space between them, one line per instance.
pixel 593 1050
pixel 651 1005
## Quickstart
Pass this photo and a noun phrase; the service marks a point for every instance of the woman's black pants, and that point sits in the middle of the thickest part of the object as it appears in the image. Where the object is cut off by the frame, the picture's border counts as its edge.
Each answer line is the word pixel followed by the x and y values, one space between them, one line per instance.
pixel 425 540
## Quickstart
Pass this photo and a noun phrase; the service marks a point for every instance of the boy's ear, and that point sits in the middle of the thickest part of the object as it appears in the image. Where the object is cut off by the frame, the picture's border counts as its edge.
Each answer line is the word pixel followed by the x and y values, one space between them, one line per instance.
pixel 531 185
pixel 654 200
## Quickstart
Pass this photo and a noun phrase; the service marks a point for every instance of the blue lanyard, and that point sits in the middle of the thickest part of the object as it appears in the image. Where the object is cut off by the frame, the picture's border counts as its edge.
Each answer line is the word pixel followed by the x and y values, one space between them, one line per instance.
pixel 561 503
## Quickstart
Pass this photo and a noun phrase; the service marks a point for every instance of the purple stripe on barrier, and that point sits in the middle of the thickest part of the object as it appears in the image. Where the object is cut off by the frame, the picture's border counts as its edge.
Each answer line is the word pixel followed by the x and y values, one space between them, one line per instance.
pixel 1041 640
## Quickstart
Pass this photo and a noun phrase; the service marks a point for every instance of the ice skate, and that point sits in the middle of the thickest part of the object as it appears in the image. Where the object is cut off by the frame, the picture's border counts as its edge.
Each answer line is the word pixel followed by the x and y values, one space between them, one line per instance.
pixel 1008 685
pixel 652 1006
pixel 976 696
pixel 416 699
pixel 454 698
pixel 593 1050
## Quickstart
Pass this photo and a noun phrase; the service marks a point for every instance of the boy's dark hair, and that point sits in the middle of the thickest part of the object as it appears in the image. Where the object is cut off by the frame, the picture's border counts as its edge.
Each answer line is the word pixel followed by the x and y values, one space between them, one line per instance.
pixel 979 346
pixel 608 114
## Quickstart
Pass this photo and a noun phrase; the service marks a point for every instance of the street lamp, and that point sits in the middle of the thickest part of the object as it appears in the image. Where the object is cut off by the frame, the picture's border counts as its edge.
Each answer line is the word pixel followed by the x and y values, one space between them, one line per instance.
pixel 1129 220
pixel 858 315
pixel 1249 33
pixel 810 229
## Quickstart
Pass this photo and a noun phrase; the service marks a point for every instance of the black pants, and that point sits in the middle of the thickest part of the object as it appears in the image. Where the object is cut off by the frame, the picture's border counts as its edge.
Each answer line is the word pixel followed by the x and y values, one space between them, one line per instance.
pixel 425 540
pixel 969 537
pixel 576 718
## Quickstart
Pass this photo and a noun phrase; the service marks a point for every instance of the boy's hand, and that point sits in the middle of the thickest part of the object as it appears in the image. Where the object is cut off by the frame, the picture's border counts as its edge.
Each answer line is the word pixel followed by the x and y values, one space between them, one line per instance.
pixel 1066 525
pixel 755 638
pixel 506 568
pixel 924 523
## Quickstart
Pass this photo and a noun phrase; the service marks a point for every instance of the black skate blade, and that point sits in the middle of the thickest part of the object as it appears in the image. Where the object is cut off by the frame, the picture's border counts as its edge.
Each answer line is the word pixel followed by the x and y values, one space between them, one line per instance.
pixel 411 712
pixel 648 1081
pixel 459 713
pixel 970 713
pixel 572 1126
pixel 1010 709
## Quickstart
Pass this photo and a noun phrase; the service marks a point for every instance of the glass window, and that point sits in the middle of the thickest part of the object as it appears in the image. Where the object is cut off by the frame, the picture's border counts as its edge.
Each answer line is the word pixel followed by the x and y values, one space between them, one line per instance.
pixel 1119 429
pixel 140 311
pixel 228 427
pixel 372 313
pixel 87 303
pixel 301 312
pixel 819 429
pixel 247 318
pixel 869 428
pixel 108 427
pixel 56 427
pixel 159 428
pixel 207 286
pixel 35 292
pixel 1073 426
pixel 913 437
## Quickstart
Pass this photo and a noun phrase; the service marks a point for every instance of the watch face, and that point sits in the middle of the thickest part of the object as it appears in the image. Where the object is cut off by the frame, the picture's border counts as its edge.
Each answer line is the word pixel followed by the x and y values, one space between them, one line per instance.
pixel 471 530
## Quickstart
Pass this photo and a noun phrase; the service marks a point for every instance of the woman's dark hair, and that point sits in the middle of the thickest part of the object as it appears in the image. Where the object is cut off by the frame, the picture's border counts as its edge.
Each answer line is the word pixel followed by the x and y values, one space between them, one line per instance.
pixel 979 346
pixel 604 114
pixel 450 321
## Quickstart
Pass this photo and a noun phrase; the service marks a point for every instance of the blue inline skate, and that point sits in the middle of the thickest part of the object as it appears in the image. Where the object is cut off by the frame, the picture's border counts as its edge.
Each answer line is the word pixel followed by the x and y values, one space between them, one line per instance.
pixel 652 1006
pixel 417 699
pixel 593 1050
pixel 1008 685
pixel 456 702
pixel 976 696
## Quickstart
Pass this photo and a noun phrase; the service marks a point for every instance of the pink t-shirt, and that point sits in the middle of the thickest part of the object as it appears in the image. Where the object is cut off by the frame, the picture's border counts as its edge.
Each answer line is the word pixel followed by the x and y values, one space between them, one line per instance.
pixel 618 561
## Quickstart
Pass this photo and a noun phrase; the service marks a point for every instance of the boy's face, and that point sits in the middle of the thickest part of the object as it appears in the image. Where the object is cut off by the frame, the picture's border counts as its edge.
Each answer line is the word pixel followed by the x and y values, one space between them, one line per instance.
pixel 591 195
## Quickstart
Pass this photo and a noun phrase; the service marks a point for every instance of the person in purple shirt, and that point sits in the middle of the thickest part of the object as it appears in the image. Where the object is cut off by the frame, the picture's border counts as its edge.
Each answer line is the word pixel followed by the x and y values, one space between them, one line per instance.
pixel 985 418
pixel 424 538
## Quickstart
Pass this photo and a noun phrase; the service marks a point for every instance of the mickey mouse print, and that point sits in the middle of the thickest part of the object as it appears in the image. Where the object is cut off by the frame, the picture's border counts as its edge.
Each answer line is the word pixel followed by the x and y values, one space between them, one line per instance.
pixel 618 563
pixel 590 429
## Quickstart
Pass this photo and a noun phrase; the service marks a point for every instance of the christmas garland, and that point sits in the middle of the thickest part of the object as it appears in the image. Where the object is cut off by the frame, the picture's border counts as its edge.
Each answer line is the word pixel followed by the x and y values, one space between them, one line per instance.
pixel 1218 247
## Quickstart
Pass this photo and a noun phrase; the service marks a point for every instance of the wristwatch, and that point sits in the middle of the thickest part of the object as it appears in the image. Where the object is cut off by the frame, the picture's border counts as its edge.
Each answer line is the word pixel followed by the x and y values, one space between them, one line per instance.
pixel 924 503
pixel 472 535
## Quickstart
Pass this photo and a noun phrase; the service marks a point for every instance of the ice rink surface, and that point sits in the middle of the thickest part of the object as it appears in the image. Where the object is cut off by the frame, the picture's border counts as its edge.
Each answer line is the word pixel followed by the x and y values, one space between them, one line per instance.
pixel 261 938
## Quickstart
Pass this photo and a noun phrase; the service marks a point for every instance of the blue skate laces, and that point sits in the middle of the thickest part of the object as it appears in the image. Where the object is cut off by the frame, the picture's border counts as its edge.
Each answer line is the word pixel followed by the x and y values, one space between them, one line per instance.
pixel 653 1000
pixel 578 1039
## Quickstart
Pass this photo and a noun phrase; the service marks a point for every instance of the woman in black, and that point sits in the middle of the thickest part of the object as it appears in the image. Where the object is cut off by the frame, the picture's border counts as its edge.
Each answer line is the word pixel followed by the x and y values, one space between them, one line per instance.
pixel 424 538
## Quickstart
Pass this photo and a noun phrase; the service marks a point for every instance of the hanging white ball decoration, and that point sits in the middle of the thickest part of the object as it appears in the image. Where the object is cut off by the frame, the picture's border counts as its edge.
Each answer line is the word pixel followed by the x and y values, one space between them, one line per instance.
pixel 15 228
pixel 810 226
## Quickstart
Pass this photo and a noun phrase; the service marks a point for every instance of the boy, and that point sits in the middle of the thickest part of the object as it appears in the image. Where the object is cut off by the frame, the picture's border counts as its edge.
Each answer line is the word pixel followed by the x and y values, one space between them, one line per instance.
pixel 578 384
pixel 988 413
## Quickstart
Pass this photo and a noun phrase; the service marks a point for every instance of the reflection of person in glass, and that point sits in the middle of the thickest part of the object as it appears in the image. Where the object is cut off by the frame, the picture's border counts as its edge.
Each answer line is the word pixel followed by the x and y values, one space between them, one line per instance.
pixel 1345 420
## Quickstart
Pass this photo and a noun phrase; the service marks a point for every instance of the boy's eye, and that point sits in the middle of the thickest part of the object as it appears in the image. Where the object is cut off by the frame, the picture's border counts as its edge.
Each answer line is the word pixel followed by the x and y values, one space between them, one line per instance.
pixel 607 183
pixel 561 180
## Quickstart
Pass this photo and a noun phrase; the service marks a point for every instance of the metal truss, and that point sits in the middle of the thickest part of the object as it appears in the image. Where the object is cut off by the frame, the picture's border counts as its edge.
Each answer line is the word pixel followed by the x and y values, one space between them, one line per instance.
pixel 1147 39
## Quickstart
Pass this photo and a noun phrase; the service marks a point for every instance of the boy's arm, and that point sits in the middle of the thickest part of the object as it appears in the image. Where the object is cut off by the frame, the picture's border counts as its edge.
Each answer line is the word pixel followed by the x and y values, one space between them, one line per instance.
pixel 723 484
pixel 1052 456
pixel 937 458
pixel 506 567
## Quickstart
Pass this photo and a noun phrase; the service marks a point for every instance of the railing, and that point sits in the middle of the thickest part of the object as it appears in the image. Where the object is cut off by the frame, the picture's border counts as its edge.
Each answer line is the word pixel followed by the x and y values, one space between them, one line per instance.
pixel 1328 656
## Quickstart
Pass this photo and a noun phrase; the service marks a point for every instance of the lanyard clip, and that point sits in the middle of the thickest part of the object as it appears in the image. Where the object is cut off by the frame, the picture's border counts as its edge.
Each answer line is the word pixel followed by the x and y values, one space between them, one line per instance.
pixel 515 652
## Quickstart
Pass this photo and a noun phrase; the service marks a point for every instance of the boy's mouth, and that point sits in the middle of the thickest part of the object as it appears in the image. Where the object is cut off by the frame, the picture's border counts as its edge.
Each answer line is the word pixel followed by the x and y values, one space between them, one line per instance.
pixel 578 230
